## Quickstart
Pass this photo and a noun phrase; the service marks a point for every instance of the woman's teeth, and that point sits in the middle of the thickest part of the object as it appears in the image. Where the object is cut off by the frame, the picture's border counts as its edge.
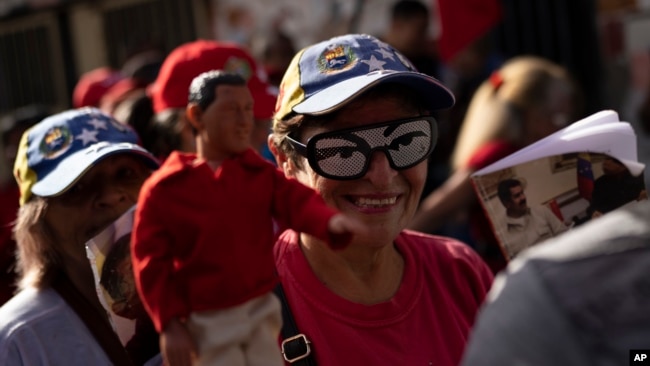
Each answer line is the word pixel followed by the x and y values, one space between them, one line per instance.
pixel 374 202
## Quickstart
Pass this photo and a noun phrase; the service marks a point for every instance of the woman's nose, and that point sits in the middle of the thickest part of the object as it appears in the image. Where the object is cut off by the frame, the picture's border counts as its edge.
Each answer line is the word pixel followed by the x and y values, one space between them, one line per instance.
pixel 379 171
pixel 111 195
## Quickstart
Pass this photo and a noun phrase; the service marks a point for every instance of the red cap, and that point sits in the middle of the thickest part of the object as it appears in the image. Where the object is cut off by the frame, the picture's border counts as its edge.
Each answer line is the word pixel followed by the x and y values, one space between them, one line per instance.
pixel 187 61
pixel 92 85
pixel 119 92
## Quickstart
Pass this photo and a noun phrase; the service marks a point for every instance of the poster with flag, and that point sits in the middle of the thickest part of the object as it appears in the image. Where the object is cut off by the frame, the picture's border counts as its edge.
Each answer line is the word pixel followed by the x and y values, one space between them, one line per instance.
pixel 560 181
pixel 585 176
pixel 109 255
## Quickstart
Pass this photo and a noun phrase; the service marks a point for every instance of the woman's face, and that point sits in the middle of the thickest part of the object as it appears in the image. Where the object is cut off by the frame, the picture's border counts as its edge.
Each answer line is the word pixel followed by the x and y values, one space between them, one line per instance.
pixel 102 195
pixel 384 199
pixel 558 112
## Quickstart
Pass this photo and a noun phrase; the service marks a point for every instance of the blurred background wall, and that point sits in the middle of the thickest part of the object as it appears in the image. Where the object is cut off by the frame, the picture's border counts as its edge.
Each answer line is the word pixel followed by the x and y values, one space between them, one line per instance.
pixel 45 45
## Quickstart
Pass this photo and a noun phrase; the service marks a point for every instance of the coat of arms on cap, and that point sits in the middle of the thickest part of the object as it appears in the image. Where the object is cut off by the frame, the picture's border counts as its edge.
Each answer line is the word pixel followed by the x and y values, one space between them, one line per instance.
pixel 336 58
pixel 239 66
pixel 57 140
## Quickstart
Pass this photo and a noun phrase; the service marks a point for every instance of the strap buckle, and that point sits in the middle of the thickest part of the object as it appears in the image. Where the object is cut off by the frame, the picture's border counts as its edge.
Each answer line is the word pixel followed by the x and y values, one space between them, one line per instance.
pixel 296 348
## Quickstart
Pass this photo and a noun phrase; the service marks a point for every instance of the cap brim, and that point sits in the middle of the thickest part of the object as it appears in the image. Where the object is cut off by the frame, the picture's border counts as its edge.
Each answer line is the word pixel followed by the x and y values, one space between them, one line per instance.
pixel 70 170
pixel 336 96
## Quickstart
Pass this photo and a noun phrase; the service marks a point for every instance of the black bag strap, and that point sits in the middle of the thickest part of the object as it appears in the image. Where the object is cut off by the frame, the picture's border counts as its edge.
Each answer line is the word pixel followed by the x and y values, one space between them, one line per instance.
pixel 95 322
pixel 295 346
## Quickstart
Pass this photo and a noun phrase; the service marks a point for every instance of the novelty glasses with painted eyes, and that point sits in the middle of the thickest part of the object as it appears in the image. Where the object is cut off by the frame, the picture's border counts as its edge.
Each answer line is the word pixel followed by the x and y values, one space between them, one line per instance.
pixel 345 154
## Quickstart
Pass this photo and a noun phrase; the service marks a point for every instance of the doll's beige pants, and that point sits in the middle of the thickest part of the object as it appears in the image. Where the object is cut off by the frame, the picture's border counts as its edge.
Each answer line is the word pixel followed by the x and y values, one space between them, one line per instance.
pixel 245 335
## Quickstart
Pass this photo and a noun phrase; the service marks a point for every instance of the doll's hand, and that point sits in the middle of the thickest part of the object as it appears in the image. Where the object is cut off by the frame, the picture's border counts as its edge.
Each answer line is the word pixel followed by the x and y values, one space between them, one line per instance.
pixel 176 344
pixel 342 228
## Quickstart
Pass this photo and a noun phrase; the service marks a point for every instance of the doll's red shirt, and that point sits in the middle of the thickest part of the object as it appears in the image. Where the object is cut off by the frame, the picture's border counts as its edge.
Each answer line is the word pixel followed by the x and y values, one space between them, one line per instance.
pixel 203 239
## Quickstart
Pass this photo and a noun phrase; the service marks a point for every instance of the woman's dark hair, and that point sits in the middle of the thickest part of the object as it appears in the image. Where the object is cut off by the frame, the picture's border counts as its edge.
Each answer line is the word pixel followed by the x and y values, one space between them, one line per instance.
pixel 164 133
pixel 408 9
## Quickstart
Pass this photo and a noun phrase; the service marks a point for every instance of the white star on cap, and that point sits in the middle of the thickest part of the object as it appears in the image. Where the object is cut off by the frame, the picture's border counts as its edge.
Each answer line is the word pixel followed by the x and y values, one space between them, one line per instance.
pixel 380 44
pixel 87 136
pixel 386 53
pixel 99 125
pixel 374 63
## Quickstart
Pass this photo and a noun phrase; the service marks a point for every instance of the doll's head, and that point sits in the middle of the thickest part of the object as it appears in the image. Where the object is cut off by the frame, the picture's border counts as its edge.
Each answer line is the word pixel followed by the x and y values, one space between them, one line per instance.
pixel 220 110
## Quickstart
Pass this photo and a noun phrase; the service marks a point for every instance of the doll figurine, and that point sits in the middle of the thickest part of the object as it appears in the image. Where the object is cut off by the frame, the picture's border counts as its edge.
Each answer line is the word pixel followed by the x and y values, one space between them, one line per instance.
pixel 204 232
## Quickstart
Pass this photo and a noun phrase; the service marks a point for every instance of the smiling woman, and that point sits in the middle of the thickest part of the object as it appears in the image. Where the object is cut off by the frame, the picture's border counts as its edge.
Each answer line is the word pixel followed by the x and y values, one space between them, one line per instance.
pixel 359 133
pixel 78 171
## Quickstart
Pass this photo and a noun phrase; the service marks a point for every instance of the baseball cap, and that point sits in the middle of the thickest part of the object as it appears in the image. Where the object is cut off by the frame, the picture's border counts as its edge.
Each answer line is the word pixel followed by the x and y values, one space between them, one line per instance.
pixel 119 92
pixel 60 149
pixel 325 76
pixel 92 85
pixel 187 61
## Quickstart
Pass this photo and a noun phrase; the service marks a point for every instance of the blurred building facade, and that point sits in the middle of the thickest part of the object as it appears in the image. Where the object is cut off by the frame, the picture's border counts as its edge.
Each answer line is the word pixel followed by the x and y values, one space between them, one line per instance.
pixel 45 45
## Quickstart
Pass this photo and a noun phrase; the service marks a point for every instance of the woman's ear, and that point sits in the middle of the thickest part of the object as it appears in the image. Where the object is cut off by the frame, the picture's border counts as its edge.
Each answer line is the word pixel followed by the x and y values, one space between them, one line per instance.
pixel 193 115
pixel 281 159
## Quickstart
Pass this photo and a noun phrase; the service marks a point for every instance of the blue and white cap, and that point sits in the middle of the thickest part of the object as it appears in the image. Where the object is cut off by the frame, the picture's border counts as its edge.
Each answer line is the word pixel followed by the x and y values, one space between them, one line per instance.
pixel 60 149
pixel 324 77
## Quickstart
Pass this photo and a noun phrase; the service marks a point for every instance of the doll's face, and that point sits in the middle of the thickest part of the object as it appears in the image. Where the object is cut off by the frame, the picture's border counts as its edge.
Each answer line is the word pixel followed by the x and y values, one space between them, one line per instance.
pixel 226 125
pixel 555 113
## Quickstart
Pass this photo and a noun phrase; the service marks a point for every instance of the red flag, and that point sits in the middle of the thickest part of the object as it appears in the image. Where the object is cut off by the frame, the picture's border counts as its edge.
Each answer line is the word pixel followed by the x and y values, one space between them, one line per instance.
pixel 464 21
pixel 585 176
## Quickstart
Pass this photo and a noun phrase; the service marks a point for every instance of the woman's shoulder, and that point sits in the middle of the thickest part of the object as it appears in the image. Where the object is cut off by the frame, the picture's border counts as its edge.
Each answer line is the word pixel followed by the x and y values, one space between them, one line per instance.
pixel 39 324
pixel 29 306
pixel 448 263
pixel 436 244
pixel 441 251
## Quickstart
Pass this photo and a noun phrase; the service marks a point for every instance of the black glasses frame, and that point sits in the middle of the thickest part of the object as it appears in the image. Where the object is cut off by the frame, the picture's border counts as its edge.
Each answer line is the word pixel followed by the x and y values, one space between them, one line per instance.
pixel 309 150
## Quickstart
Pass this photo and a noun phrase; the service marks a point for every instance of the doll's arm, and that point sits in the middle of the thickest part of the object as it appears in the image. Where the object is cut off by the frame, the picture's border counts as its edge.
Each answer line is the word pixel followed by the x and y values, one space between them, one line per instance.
pixel 302 209
pixel 153 260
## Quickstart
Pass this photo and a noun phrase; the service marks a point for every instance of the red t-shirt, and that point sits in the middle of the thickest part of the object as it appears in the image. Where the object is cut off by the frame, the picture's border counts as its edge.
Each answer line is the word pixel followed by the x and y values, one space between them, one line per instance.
pixel 427 322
